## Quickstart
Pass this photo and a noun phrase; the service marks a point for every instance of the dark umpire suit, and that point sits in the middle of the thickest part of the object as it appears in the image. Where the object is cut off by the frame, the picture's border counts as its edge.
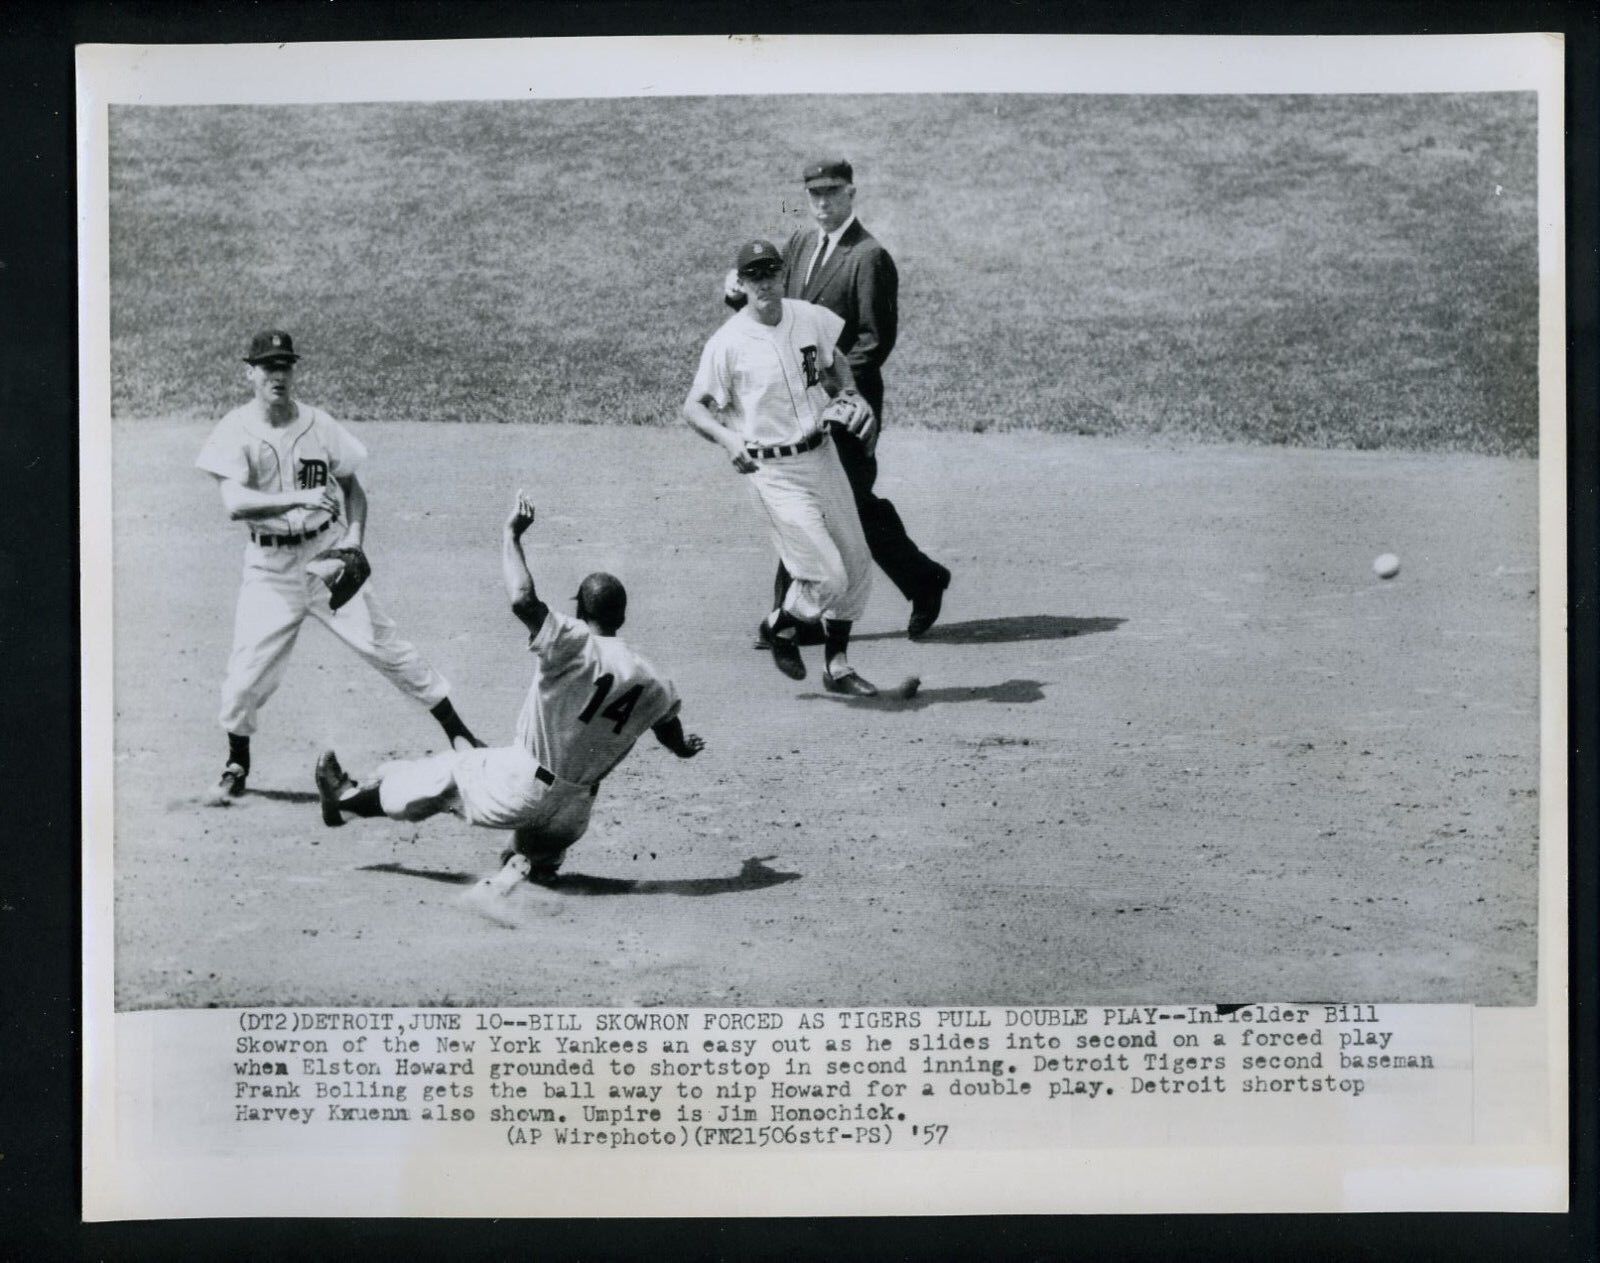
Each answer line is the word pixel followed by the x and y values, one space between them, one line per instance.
pixel 858 282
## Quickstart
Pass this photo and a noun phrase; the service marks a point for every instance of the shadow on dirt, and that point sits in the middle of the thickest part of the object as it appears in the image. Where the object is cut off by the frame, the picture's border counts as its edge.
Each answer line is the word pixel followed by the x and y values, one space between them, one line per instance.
pixel 271 795
pixel 752 875
pixel 1003 631
pixel 283 795
pixel 1012 691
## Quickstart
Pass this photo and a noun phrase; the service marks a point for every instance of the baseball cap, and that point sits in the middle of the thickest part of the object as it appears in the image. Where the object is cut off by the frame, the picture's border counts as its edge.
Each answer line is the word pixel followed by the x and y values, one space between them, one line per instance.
pixel 603 598
pixel 270 344
pixel 757 251
pixel 825 171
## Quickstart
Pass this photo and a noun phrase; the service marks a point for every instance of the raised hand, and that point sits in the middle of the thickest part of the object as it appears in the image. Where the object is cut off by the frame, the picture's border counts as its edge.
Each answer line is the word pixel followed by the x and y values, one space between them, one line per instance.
pixel 521 515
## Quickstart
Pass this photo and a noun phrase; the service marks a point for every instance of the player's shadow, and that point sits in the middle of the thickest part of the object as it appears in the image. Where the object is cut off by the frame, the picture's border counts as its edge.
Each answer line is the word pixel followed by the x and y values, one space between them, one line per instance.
pixel 1011 691
pixel 271 795
pixel 1008 630
pixel 283 795
pixel 753 874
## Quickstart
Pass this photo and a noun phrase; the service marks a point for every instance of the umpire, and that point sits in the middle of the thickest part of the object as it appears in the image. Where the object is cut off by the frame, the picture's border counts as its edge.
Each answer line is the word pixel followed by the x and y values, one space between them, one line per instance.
pixel 840 265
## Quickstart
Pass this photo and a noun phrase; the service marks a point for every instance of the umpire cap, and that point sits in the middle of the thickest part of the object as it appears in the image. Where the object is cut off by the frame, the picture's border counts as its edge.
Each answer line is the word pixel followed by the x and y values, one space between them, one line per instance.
pixel 824 172
pixel 602 597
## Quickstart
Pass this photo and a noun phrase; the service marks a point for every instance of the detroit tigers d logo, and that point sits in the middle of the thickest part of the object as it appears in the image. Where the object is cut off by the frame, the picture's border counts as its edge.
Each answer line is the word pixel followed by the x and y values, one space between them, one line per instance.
pixel 311 473
pixel 808 364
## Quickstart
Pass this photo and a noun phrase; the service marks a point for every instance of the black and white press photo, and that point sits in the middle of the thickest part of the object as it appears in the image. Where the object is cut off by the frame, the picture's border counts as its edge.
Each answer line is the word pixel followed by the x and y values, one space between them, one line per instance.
pixel 1113 571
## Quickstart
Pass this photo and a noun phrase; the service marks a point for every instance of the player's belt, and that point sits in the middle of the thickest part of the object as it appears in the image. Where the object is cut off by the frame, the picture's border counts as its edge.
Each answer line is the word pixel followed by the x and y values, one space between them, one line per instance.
pixel 542 773
pixel 788 449
pixel 271 541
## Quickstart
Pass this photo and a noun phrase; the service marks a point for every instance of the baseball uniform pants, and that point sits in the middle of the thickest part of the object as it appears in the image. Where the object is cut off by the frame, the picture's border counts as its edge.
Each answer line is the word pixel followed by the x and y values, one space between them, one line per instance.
pixel 500 787
pixel 275 598
pixel 812 518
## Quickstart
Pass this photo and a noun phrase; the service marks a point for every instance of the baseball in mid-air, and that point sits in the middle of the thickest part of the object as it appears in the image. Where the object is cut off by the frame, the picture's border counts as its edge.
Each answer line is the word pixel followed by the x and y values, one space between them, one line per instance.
pixel 909 686
pixel 1386 566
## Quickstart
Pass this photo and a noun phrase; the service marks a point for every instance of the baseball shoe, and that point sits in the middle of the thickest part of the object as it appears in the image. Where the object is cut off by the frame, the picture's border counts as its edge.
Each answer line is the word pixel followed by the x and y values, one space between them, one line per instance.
pixel 805 634
pixel 491 897
pixel 228 787
pixel 543 872
pixel 926 607
pixel 515 868
pixel 785 653
pixel 331 784
pixel 848 683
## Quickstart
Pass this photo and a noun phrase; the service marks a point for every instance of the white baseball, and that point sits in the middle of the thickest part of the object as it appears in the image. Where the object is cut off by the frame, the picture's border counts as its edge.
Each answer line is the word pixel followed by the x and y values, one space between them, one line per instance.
pixel 1386 566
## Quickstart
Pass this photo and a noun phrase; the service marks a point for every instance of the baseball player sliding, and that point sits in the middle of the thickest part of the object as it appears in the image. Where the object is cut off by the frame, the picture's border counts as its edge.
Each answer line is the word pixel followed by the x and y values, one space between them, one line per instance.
pixel 771 368
pixel 591 698
pixel 288 471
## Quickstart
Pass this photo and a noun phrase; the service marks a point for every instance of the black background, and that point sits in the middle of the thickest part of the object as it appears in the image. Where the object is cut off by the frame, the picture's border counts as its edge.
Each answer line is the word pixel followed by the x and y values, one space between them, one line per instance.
pixel 39 807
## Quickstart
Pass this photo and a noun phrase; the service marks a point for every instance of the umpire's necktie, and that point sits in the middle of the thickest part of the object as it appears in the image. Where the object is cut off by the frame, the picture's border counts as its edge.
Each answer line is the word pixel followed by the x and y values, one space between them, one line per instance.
pixel 816 259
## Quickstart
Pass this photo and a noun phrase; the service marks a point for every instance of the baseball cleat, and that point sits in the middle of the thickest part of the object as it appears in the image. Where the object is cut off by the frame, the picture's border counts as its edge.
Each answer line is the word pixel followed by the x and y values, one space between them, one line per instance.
pixel 228 787
pixel 805 634
pixel 547 873
pixel 514 870
pixel 785 653
pixel 926 608
pixel 331 783
pixel 491 896
pixel 542 872
pixel 848 683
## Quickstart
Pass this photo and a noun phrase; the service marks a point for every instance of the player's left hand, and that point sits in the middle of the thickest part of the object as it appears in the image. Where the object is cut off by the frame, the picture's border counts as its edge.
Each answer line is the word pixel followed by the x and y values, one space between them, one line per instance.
pixel 342 571
pixel 850 412
pixel 693 743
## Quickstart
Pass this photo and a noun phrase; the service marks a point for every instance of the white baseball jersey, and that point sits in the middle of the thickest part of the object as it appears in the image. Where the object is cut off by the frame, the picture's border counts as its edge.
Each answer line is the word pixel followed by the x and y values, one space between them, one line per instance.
pixel 313 450
pixel 591 698
pixel 769 373
pixel 276 595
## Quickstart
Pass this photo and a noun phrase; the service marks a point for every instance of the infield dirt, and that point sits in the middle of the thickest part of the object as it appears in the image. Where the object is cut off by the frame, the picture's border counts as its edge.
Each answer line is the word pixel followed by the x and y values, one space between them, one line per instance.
pixel 1175 741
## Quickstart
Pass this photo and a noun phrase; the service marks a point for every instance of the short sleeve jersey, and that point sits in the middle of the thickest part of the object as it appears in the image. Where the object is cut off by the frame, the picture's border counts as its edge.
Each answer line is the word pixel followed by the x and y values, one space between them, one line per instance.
pixel 313 450
pixel 591 698
pixel 770 373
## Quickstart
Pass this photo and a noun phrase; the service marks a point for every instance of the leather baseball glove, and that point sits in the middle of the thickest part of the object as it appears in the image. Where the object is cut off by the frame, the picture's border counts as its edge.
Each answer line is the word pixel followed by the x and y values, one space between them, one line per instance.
pixel 343 570
pixel 849 411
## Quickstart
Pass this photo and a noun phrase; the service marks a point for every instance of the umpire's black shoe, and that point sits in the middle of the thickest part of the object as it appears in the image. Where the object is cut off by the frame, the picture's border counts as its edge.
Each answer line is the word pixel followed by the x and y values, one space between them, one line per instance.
pixel 785 653
pixel 331 783
pixel 926 607
pixel 848 683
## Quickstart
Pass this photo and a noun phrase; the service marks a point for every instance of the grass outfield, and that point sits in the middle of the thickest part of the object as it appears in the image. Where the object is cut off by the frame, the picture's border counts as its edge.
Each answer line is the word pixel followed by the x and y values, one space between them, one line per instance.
pixel 1355 271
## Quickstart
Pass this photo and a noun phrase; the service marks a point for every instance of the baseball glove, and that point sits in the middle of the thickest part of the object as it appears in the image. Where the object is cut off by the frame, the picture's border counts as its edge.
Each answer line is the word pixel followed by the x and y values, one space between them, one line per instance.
pixel 343 570
pixel 849 411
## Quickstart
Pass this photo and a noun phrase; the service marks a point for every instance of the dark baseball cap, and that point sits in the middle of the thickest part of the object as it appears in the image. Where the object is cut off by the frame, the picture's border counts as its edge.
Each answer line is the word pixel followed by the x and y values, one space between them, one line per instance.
pixel 757 252
pixel 270 344
pixel 826 171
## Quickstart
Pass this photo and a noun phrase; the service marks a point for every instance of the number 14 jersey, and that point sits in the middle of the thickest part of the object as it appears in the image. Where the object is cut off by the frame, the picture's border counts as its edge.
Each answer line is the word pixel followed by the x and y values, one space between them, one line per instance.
pixel 591 698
